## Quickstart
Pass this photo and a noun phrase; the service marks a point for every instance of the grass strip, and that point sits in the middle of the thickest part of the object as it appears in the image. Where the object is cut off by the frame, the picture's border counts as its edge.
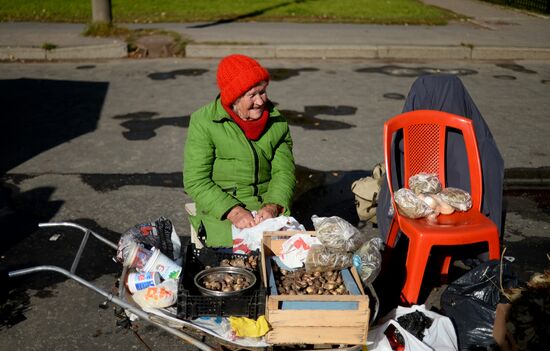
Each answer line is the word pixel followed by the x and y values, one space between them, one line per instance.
pixel 147 11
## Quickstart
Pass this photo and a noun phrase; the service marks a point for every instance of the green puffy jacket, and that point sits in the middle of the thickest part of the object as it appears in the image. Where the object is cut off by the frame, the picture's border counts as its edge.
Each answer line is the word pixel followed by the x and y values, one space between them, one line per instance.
pixel 222 169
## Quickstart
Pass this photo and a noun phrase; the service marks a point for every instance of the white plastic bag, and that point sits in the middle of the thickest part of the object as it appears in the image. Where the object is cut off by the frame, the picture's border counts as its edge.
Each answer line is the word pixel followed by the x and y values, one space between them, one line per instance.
pixel 215 326
pixel 249 239
pixel 440 336
pixel 218 325
pixel 221 327
pixel 160 296
pixel 295 249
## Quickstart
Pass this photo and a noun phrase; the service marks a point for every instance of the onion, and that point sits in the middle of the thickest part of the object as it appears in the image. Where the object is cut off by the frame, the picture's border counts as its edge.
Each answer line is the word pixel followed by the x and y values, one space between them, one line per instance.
pixel 431 202
pixel 444 208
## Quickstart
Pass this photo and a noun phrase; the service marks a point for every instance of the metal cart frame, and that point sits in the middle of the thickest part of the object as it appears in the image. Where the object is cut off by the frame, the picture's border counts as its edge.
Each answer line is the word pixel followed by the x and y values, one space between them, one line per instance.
pixel 170 325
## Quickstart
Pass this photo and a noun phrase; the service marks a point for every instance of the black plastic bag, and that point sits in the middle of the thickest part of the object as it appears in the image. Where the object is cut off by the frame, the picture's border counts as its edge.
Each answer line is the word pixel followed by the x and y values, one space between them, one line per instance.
pixel 471 302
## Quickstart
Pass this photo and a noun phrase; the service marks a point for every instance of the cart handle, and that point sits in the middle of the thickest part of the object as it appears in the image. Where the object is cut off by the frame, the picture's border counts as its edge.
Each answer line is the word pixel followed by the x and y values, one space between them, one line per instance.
pixel 87 233
pixel 110 297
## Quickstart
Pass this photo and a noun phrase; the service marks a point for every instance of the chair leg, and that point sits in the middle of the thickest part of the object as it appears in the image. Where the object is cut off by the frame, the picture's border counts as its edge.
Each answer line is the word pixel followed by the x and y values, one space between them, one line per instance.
pixel 417 258
pixel 445 268
pixel 494 249
pixel 392 233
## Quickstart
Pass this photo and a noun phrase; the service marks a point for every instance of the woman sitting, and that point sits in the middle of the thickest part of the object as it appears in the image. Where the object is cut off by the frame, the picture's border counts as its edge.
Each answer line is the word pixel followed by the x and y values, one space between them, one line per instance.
pixel 238 155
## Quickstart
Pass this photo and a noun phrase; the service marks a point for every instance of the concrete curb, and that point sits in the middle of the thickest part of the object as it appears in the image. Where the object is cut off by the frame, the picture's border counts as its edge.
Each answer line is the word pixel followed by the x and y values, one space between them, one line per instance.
pixel 369 51
pixel 101 51
pixel 9 53
pixel 527 178
pixel 119 50
pixel 507 53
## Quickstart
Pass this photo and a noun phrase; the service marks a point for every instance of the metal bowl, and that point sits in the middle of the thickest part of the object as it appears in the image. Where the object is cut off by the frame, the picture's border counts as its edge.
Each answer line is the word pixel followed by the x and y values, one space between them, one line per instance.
pixel 222 270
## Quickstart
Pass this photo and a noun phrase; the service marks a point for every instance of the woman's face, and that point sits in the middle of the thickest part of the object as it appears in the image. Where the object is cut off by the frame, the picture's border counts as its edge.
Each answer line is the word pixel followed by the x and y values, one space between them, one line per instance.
pixel 251 105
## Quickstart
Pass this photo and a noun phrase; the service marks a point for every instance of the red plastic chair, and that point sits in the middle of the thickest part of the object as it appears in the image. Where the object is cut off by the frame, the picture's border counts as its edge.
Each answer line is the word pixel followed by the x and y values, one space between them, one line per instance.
pixel 424 151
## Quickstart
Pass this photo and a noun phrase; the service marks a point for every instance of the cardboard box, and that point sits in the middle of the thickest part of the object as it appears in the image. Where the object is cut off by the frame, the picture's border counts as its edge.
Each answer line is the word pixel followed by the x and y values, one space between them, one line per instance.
pixel 313 319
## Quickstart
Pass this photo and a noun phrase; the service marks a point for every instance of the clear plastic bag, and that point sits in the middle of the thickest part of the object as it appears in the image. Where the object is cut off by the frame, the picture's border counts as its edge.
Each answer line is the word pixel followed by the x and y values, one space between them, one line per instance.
pixel 160 296
pixel 321 259
pixel 425 183
pixel 410 205
pixel 436 204
pixel 125 245
pixel 337 234
pixel 457 198
pixel 160 234
pixel 368 260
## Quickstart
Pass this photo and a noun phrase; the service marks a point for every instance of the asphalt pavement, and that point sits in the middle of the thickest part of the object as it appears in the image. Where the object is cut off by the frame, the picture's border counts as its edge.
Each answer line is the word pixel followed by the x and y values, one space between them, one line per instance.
pixel 491 32
pixel 116 160
pixel 99 143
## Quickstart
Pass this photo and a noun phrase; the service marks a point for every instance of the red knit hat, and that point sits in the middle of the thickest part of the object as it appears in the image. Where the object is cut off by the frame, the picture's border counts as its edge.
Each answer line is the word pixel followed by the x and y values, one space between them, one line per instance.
pixel 236 75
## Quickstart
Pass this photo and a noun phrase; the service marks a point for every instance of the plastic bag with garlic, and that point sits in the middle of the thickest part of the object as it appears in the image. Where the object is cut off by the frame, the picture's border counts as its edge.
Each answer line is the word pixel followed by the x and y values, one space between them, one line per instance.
pixel 337 234
pixel 457 198
pixel 436 203
pixel 424 183
pixel 322 259
pixel 410 205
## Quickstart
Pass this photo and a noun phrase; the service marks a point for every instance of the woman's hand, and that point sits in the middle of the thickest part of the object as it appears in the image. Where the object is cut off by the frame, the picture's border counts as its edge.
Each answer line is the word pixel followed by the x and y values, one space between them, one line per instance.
pixel 241 218
pixel 268 211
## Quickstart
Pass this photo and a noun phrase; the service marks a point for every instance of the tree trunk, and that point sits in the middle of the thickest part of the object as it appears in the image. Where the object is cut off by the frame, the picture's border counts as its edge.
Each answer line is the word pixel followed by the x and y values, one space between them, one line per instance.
pixel 101 11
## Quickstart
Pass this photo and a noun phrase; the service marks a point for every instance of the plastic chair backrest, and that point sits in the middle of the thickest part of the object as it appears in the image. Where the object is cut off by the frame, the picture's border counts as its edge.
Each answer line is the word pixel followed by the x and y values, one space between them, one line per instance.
pixel 424 133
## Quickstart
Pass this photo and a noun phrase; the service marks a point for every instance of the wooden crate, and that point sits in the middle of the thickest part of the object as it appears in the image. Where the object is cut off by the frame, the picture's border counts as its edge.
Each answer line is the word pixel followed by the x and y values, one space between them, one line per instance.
pixel 319 320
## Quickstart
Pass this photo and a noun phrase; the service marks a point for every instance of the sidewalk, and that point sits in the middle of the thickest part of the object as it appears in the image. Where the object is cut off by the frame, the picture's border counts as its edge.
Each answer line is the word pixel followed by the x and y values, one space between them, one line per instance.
pixel 492 32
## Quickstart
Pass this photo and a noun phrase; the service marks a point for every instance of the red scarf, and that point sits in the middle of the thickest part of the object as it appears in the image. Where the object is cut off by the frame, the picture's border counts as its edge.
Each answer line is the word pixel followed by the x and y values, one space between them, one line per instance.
pixel 252 129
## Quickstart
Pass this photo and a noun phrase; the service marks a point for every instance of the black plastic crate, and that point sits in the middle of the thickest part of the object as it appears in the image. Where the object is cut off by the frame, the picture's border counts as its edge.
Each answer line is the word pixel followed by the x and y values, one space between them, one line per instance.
pixel 191 304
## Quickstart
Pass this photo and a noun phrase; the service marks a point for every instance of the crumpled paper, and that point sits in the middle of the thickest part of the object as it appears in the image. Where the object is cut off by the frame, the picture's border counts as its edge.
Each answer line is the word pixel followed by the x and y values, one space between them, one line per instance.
pixel 249 239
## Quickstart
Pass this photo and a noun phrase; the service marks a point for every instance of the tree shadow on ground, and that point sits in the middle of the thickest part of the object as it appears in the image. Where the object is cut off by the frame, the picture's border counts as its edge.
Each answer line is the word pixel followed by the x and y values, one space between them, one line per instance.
pixel 39 114
pixel 248 15
pixel 55 246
